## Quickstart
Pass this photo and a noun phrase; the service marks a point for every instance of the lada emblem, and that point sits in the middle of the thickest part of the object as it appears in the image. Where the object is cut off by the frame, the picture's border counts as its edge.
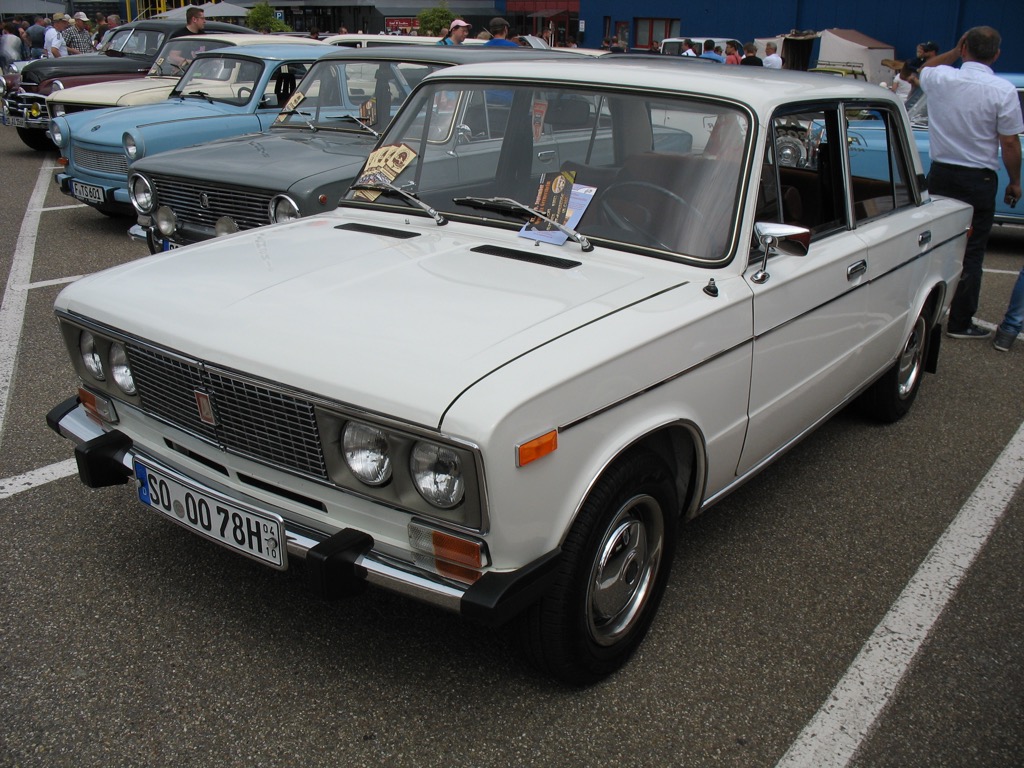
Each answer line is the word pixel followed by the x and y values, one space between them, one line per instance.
pixel 95 127
pixel 205 405
pixel 204 200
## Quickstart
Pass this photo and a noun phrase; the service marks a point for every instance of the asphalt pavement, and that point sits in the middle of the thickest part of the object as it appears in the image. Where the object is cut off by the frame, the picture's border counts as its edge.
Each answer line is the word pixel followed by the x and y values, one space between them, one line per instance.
pixel 126 641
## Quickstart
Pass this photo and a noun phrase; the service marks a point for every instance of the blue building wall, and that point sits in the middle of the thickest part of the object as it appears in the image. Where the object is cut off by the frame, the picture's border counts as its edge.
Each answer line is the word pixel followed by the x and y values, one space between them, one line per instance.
pixel 903 23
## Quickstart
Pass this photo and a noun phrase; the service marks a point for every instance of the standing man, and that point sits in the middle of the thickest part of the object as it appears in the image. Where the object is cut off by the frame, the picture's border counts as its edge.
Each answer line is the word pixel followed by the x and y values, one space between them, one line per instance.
pixel 77 36
pixel 750 57
pixel 972 115
pixel 36 35
pixel 688 48
pixel 54 45
pixel 499 29
pixel 195 23
pixel 772 60
pixel 456 34
pixel 709 52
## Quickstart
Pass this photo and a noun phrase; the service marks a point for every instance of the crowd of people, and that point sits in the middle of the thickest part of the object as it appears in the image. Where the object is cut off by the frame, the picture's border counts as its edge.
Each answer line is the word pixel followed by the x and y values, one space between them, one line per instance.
pixel 52 36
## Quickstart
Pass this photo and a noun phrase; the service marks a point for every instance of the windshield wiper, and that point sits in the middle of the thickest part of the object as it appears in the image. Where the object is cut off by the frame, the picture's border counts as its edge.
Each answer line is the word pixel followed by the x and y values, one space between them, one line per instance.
pixel 387 188
pixel 357 121
pixel 199 94
pixel 513 207
pixel 309 123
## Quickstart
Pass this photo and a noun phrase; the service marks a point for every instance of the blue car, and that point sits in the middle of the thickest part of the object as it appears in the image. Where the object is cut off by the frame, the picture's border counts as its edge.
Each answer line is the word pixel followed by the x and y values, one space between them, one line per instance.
pixel 225 92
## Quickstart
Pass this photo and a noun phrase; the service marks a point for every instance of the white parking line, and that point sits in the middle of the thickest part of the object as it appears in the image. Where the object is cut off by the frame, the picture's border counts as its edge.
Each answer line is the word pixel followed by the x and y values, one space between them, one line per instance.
pixel 12 310
pixel 846 720
pixel 29 480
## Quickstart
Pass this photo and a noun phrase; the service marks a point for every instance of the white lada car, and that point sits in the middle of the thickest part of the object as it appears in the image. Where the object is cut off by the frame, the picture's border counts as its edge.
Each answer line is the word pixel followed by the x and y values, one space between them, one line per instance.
pixel 562 311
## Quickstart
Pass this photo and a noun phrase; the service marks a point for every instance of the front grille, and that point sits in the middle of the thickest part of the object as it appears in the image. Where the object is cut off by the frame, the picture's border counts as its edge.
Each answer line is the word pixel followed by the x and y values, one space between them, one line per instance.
pixel 103 162
pixel 201 204
pixel 19 105
pixel 252 418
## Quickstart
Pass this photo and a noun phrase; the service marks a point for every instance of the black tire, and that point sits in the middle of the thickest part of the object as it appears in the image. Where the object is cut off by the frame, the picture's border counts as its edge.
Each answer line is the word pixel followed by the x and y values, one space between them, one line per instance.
pixel 889 399
pixel 37 139
pixel 615 564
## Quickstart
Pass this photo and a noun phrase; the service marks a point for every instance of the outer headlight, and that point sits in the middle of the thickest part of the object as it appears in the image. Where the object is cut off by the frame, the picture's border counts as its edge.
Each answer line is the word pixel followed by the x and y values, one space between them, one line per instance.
pixel 437 474
pixel 57 85
pixel 131 147
pixel 283 208
pixel 120 371
pixel 56 134
pixel 141 193
pixel 57 109
pixel 366 452
pixel 91 356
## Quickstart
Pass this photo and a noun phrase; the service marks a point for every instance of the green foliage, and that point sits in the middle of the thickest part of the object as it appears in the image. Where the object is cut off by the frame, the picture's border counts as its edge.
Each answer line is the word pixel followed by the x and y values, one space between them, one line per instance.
pixel 261 17
pixel 435 21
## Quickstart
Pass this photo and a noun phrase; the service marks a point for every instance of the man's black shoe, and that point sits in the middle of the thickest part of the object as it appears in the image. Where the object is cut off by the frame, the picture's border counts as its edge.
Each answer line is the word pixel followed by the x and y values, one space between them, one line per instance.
pixel 970 332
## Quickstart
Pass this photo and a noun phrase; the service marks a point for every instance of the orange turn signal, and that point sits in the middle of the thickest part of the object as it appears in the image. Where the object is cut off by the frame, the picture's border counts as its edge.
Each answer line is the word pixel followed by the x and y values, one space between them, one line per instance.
pixel 536 448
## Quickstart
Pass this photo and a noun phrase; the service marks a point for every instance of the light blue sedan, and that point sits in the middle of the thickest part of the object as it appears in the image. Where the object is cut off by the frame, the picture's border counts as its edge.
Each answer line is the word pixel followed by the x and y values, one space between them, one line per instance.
pixel 225 92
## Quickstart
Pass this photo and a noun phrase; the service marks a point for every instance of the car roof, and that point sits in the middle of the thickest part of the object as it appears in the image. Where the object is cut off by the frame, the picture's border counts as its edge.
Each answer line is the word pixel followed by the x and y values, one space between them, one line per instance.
pixel 446 54
pixel 270 51
pixel 763 90
pixel 166 25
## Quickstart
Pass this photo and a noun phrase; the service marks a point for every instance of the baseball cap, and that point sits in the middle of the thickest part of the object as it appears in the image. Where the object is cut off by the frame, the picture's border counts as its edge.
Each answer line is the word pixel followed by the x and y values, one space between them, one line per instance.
pixel 81 16
pixel 458 23
pixel 497 24
pixel 930 46
pixel 58 16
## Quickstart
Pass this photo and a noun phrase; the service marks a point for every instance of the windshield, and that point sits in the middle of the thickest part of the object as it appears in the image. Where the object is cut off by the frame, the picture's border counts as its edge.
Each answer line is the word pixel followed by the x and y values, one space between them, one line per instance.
pixel 134 42
pixel 619 168
pixel 178 54
pixel 369 90
pixel 225 80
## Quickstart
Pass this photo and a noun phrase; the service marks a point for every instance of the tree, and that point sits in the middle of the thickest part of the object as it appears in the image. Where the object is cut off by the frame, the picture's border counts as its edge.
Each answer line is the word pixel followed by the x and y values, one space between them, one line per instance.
pixel 435 21
pixel 261 17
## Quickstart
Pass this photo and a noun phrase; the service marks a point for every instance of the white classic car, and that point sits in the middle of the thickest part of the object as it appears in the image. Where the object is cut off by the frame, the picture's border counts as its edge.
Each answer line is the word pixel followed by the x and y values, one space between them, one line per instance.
pixel 561 311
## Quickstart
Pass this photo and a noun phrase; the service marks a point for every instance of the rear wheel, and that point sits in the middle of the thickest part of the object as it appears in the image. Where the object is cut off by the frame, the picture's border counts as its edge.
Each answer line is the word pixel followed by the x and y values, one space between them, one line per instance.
pixel 889 399
pixel 37 139
pixel 616 562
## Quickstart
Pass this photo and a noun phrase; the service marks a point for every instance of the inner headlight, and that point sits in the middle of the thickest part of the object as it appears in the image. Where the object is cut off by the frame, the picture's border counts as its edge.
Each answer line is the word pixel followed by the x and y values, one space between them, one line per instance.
pixel 58 110
pixel 131 147
pixel 225 225
pixel 166 221
pixel 34 110
pixel 141 193
pixel 366 452
pixel 120 371
pixel 91 356
pixel 283 208
pixel 437 474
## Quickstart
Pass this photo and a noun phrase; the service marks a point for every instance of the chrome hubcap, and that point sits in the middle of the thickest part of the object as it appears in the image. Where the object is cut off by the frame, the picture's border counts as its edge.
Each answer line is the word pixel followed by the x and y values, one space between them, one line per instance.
pixel 910 360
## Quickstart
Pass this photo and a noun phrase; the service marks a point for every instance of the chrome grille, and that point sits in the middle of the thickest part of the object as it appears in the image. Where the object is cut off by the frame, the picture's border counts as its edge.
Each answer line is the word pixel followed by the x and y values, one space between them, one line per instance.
pixel 201 204
pixel 104 162
pixel 253 419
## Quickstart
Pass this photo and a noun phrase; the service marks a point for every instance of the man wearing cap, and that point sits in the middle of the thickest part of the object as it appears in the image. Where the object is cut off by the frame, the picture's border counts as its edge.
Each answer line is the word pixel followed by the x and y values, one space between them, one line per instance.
pixel 77 36
pixel 54 46
pixel 499 30
pixel 457 32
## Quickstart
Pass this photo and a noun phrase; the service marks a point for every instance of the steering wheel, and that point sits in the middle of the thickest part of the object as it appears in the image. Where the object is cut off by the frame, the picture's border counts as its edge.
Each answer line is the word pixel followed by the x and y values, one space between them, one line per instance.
pixel 244 92
pixel 681 209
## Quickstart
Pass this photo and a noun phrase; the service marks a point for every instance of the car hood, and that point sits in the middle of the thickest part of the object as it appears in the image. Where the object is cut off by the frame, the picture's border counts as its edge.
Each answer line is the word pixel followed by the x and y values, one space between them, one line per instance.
pixel 275 160
pixel 86 64
pixel 113 92
pixel 110 124
pixel 366 318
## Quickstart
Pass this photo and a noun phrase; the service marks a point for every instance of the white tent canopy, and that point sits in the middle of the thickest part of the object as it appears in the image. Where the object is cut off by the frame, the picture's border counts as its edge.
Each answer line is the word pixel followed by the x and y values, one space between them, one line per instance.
pixel 30 8
pixel 836 47
pixel 213 10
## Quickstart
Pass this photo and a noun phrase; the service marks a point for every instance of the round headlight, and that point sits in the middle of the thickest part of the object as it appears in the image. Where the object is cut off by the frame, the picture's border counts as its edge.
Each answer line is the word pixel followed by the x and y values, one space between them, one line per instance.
pixel 141 193
pixel 58 110
pixel 91 356
pixel 366 452
pixel 131 147
pixel 57 85
pixel 437 473
pixel 56 134
pixel 120 371
pixel 225 225
pixel 283 208
pixel 166 221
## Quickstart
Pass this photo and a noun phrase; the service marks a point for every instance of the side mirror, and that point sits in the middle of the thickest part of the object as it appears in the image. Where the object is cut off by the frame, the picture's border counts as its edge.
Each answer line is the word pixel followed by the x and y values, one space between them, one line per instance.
pixel 779 238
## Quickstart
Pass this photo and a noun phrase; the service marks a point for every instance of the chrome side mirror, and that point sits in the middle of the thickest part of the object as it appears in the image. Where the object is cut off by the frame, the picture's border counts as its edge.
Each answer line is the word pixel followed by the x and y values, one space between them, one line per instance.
pixel 779 238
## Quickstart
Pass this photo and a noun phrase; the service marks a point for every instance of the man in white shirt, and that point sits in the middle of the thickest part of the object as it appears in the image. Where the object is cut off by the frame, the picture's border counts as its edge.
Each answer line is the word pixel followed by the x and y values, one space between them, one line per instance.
pixel 772 60
pixel 54 45
pixel 973 114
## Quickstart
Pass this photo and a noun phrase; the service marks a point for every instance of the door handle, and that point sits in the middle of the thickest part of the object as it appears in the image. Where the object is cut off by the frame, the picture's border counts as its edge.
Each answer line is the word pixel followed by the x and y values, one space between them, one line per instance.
pixel 925 237
pixel 546 156
pixel 857 268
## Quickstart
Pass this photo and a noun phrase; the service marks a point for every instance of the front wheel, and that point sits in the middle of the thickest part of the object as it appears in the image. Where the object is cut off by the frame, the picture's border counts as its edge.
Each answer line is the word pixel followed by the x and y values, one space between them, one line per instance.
pixel 889 399
pixel 615 564
pixel 37 139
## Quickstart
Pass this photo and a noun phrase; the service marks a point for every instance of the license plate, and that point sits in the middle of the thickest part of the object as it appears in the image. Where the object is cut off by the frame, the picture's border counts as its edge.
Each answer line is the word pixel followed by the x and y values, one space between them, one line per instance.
pixel 169 246
pixel 87 192
pixel 17 122
pixel 252 532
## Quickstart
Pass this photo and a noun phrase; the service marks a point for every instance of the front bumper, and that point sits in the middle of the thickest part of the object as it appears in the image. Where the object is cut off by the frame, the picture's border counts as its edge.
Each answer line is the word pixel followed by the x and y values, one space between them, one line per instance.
pixel 22 111
pixel 97 195
pixel 337 565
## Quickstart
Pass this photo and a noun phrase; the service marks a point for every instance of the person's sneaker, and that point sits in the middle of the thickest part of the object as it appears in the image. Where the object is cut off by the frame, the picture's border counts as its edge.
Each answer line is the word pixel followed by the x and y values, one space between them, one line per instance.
pixel 970 332
pixel 1004 340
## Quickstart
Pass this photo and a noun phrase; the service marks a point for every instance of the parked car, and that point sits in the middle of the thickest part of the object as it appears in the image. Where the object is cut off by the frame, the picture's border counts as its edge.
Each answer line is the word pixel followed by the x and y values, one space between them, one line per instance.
pixel 563 310
pixel 306 160
pixel 167 69
pixel 128 52
pixel 225 92
pixel 360 40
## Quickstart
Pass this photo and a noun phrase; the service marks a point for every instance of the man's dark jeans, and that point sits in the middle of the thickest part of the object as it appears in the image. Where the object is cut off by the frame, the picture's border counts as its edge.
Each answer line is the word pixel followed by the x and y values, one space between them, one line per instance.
pixel 977 187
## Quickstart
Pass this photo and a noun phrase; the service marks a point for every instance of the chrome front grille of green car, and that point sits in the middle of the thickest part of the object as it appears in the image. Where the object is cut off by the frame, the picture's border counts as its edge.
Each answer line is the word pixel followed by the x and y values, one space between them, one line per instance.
pixel 101 162
pixel 239 415
pixel 203 204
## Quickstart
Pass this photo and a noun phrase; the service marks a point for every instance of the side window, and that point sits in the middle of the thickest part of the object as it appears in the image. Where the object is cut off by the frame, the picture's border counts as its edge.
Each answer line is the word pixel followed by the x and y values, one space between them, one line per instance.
pixel 878 166
pixel 802 175
pixel 282 85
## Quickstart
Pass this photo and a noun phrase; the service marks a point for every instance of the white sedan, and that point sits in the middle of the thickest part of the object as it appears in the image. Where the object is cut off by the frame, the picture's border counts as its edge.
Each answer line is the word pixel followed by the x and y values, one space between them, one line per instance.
pixel 562 311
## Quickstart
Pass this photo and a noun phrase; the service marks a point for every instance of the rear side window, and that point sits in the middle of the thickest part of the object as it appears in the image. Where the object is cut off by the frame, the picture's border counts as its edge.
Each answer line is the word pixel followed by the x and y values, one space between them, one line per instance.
pixel 878 163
